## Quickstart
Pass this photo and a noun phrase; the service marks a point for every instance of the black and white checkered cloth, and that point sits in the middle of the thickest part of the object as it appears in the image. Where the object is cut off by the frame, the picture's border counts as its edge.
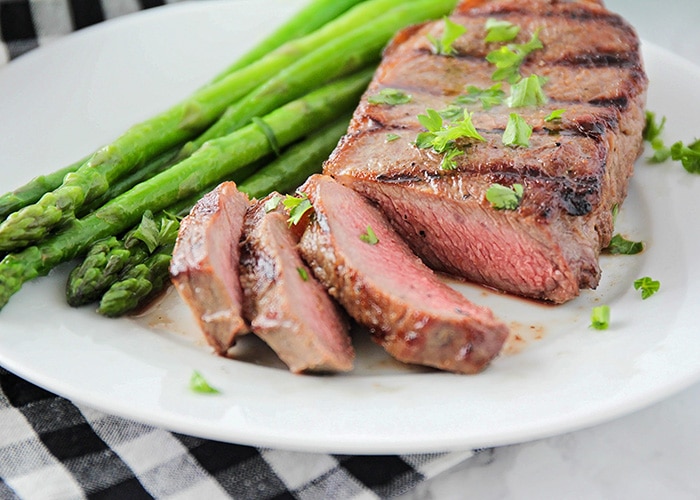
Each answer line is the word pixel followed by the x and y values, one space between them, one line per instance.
pixel 54 449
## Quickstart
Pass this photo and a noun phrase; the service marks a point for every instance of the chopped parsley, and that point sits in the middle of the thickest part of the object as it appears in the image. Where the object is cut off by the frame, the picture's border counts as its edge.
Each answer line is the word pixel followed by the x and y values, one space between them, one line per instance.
pixel 448 160
pixel 492 96
pixel 452 112
pixel 509 58
pixel 199 384
pixel 517 132
pixel 600 317
pixel 555 115
pixel 449 36
pixel 303 274
pixel 369 237
pixel 441 137
pixel 272 203
pixel 505 198
pixel 500 31
pixel 390 96
pixel 391 137
pixel 527 92
pixel 297 206
pixel 689 155
pixel 652 134
pixel 647 286
pixel 621 246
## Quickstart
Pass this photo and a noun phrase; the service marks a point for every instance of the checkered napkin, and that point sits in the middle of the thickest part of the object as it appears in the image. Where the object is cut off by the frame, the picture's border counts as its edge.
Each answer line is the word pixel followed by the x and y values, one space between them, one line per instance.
pixel 55 449
pixel 52 448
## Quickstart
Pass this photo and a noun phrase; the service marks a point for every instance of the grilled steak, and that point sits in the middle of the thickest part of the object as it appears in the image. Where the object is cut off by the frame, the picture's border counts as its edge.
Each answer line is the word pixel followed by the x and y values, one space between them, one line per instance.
pixel 285 305
pixel 574 172
pixel 384 286
pixel 204 267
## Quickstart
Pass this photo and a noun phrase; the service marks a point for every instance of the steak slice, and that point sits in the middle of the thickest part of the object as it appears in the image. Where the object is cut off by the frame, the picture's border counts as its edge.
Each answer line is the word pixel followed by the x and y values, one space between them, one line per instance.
pixel 285 305
pixel 384 286
pixel 575 171
pixel 204 267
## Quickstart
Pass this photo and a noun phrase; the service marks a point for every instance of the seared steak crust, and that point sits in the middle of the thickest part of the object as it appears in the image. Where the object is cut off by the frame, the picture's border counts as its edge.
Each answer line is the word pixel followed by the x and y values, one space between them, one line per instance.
pixel 384 286
pixel 284 304
pixel 204 267
pixel 574 172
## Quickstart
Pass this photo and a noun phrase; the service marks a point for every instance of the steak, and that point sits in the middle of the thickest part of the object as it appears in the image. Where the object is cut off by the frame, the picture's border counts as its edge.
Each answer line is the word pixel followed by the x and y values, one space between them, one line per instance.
pixel 284 304
pixel 384 286
pixel 574 172
pixel 204 267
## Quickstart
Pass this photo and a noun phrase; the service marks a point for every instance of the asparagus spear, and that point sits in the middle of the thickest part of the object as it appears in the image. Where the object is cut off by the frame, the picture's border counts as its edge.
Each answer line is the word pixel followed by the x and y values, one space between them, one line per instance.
pixel 313 16
pixel 316 14
pixel 220 159
pixel 345 53
pixel 34 189
pixel 100 268
pixel 140 283
pixel 183 122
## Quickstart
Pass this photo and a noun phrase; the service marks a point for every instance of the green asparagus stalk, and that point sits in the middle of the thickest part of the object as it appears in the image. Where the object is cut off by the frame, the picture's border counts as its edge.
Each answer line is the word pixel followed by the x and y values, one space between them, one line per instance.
pixel 34 189
pixel 345 53
pixel 290 170
pixel 219 160
pixel 137 286
pixel 107 259
pixel 316 14
pixel 99 270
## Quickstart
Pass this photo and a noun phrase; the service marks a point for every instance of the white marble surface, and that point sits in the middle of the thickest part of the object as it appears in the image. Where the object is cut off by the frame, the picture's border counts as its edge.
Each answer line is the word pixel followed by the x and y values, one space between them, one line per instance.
pixel 651 454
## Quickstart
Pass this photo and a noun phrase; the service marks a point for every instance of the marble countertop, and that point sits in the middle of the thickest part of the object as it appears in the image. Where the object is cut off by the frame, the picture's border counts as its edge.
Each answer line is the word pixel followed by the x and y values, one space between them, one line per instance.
pixel 653 453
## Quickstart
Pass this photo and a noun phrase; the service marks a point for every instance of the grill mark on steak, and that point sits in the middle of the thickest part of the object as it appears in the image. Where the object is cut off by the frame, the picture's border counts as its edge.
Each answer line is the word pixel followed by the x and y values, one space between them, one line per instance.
pixel 293 314
pixel 416 317
pixel 573 172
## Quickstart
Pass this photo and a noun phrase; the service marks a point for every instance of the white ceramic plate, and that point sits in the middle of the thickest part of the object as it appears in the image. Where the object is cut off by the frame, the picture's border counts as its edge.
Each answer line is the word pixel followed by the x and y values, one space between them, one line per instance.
pixel 63 101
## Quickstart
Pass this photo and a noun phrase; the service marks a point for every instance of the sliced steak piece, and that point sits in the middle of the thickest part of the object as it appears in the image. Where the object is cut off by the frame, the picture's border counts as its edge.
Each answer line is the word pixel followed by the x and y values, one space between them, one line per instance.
pixel 574 172
pixel 285 305
pixel 204 268
pixel 416 317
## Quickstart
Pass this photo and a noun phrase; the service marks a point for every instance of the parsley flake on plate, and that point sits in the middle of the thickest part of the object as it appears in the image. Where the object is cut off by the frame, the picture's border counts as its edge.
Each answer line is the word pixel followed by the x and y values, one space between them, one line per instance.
pixel 689 155
pixel 652 135
pixel 647 286
pixel 619 245
pixel 200 385
pixel 600 317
